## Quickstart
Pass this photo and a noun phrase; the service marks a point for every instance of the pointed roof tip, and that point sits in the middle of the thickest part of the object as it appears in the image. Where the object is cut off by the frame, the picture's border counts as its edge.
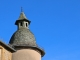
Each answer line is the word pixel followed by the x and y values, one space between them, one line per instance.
pixel 22 15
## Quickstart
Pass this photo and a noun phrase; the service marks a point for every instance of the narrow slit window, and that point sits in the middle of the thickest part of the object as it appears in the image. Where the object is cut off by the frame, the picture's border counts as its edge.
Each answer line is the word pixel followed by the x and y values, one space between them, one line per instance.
pixel 26 24
pixel 21 24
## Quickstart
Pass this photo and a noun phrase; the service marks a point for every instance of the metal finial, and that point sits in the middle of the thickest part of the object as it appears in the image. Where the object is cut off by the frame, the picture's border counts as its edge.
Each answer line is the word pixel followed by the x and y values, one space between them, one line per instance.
pixel 21 9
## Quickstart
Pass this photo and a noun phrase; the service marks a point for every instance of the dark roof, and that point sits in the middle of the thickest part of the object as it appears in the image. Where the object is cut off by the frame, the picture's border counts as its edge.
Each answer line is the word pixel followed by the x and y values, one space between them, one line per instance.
pixel 7 47
pixel 22 17
pixel 23 37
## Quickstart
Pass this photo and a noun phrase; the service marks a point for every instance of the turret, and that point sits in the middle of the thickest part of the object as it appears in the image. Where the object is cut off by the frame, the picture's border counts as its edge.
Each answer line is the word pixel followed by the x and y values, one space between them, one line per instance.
pixel 23 41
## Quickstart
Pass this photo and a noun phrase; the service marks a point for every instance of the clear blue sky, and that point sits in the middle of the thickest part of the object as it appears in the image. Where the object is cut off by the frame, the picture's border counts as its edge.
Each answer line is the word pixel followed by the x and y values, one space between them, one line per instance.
pixel 55 24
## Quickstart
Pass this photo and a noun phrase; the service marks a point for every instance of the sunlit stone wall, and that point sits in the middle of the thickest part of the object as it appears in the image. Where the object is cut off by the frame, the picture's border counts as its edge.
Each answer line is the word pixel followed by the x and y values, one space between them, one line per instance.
pixel 26 54
pixel 0 53
pixel 5 54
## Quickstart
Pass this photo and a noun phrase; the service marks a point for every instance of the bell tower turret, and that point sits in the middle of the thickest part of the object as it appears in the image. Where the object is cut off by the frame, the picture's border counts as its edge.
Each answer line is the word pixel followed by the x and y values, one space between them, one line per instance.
pixel 22 21
pixel 24 42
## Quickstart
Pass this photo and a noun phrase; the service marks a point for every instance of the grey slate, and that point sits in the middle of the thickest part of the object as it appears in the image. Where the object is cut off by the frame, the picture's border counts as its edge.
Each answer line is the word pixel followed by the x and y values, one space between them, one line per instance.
pixel 23 37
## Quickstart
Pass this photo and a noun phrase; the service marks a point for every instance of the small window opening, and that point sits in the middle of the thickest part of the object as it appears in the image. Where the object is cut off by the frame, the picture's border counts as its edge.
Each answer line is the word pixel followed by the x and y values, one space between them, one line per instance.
pixel 21 24
pixel 26 24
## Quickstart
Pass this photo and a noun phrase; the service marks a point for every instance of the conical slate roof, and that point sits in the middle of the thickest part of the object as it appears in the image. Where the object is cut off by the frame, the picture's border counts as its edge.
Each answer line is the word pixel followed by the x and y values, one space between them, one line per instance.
pixel 22 16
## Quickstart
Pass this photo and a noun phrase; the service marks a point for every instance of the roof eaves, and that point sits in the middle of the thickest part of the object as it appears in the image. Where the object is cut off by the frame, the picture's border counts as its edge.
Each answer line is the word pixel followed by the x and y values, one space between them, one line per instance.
pixel 7 46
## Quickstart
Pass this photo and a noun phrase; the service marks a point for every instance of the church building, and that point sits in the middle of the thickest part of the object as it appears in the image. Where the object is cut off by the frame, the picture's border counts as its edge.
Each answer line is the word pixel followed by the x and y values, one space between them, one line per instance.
pixel 22 44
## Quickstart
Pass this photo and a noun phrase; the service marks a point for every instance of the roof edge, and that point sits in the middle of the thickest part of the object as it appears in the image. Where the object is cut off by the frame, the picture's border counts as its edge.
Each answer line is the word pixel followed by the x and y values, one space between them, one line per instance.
pixel 7 46
pixel 36 48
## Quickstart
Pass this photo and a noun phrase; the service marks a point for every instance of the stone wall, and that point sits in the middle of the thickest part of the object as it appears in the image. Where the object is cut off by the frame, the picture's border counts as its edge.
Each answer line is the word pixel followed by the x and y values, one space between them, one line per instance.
pixel 26 54
pixel 0 53
pixel 5 54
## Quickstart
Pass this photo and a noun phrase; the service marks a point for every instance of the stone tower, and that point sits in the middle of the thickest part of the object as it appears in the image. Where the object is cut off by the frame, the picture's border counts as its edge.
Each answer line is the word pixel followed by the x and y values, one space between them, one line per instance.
pixel 23 41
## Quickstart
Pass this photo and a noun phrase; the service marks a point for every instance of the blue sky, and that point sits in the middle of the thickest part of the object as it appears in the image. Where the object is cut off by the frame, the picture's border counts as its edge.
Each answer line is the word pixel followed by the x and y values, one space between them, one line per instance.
pixel 55 24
